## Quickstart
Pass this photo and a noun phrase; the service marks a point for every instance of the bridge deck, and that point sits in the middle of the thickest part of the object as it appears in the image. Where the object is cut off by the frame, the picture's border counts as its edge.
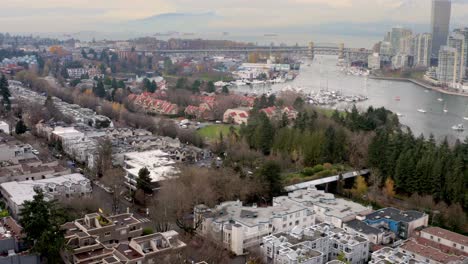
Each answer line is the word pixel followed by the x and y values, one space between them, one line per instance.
pixel 305 185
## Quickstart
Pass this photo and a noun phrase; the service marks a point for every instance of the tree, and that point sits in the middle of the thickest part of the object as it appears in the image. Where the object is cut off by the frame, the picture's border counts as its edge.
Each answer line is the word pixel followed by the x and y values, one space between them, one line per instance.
pixel 270 173
pixel 181 83
pixel 104 157
pixel 41 221
pixel 99 90
pixel 196 86
pixel 225 90
pixel 360 187
pixel 144 181
pixel 20 127
pixel 389 187
pixel 5 92
pixel 342 257
pixel 210 87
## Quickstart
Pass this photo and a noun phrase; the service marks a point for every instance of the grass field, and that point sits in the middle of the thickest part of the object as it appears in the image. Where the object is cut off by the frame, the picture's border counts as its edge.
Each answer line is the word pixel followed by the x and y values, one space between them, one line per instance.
pixel 212 131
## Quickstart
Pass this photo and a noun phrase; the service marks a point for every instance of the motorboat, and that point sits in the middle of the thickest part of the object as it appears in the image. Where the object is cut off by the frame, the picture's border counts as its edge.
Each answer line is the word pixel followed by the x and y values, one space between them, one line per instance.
pixel 458 127
pixel 422 111
pixel 440 99
pixel 399 115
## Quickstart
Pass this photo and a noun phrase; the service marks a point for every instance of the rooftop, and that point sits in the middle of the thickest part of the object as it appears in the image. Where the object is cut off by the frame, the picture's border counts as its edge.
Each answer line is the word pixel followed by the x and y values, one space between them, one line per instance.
pixel 429 252
pixel 446 234
pixel 156 161
pixel 395 214
pixel 19 192
pixel 362 227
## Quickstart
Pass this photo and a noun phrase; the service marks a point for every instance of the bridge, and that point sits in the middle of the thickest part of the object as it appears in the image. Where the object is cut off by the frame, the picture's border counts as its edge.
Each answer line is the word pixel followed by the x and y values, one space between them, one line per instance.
pixel 305 185
pixel 311 50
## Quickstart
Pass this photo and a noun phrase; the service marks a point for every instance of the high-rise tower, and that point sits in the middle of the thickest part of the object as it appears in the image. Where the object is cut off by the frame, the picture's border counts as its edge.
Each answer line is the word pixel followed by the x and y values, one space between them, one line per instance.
pixel 440 23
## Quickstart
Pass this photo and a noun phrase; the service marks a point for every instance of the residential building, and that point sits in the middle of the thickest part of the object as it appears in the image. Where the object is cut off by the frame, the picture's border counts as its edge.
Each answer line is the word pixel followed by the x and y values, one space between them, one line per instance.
pixel 386 48
pixel 316 244
pixel 428 254
pixel 422 50
pixel 440 23
pixel 457 41
pixel 373 234
pixel 19 163
pixel 389 255
pixel 450 241
pixel 98 238
pixel 274 112
pixel 76 73
pixel 446 71
pixel 237 116
pixel 401 61
pixel 4 127
pixel 16 193
pixel 374 61
pixel 12 247
pixel 150 104
pixel 402 223
pixel 158 162
pixel 240 227
pixel 326 206
pixel 398 37
pixel 464 32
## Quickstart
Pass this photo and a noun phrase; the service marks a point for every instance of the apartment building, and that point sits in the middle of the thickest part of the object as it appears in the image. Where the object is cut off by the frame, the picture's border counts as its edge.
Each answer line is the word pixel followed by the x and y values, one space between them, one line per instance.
pixel 12 250
pixel 16 193
pixel 402 223
pixel 316 244
pixel 450 241
pixel 389 255
pixel 240 227
pixel 326 206
pixel 428 254
pixel 97 238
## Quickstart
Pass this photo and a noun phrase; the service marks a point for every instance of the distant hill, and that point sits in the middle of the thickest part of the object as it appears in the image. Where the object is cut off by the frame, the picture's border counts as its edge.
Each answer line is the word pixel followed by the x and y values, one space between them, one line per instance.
pixel 186 22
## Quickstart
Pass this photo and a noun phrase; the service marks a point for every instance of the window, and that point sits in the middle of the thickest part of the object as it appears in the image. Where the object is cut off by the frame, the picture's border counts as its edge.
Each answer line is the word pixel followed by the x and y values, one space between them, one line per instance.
pixel 454 245
pixel 432 237
pixel 107 234
pixel 297 222
pixel 438 240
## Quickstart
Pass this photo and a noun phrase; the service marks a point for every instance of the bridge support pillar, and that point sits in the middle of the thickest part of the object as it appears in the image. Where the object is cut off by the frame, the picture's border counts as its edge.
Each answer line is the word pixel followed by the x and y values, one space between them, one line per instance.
pixel 341 51
pixel 311 51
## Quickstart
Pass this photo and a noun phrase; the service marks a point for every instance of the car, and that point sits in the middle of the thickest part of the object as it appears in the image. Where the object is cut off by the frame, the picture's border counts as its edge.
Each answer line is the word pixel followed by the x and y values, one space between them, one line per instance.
pixel 35 152
pixel 218 122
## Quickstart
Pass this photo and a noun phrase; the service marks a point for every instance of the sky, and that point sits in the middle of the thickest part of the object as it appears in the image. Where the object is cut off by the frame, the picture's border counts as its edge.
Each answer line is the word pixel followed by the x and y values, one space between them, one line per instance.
pixel 97 15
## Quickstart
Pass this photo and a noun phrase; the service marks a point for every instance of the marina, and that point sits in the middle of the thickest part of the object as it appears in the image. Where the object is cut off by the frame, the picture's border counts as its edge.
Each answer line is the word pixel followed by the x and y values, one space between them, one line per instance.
pixel 400 97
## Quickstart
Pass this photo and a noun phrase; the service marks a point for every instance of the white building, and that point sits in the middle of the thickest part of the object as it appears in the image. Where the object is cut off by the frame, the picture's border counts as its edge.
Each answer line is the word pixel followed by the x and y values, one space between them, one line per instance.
pixel 316 244
pixel 241 227
pixel 422 50
pixel 4 127
pixel 457 41
pixel 326 206
pixel 388 255
pixel 16 193
pixel 401 60
pixel 158 162
pixel 446 71
pixel 374 61
pixel 76 73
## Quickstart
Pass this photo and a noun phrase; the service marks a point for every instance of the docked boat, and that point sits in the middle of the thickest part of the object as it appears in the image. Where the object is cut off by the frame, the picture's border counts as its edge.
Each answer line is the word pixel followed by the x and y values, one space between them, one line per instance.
pixel 399 115
pixel 458 127
pixel 422 111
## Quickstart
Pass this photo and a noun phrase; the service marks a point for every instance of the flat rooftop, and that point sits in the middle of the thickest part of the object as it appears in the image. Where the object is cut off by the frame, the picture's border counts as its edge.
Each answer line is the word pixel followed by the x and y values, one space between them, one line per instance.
pixel 158 162
pixel 19 192
pixel 395 214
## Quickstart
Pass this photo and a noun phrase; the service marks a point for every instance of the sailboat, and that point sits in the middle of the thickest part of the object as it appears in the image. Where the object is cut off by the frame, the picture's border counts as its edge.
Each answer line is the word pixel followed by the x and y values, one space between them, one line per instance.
pixel 445 108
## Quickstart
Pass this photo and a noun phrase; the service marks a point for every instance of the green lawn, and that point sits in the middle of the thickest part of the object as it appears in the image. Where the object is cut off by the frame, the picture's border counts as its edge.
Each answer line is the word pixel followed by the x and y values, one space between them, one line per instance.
pixel 212 131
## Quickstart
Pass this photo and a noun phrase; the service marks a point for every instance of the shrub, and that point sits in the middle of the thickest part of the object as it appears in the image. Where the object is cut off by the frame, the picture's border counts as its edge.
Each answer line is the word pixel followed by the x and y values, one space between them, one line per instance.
pixel 147 231
pixel 308 171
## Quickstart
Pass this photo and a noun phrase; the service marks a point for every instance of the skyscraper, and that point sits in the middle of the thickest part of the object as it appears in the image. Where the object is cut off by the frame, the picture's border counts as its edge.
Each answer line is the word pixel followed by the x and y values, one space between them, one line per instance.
pixel 440 23
pixel 446 71
pixel 421 50
pixel 457 41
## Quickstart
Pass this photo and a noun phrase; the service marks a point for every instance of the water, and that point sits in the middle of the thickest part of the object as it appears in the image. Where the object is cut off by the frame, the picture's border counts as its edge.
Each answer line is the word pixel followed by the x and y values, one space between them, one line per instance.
pixel 323 73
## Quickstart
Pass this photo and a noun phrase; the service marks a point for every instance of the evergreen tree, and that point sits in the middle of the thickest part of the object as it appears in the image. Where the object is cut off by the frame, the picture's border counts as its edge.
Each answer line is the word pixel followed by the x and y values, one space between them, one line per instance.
pixel 196 86
pixel 270 172
pixel 99 90
pixel 5 93
pixel 210 87
pixel 41 221
pixel 144 181
pixel 225 90
pixel 20 127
